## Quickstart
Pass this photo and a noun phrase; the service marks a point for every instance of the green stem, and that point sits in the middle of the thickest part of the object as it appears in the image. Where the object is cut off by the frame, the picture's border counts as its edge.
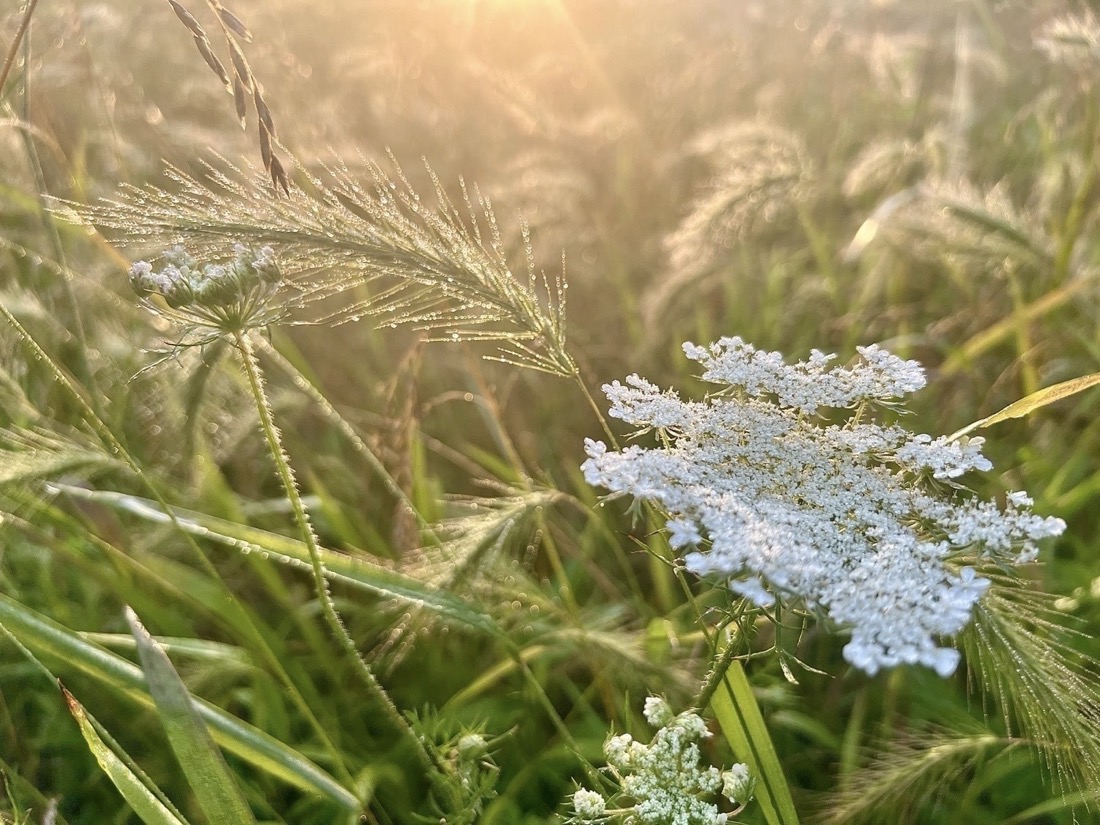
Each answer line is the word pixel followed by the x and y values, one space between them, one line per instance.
pixel 717 672
pixel 332 415
pixel 1070 229
pixel 301 517
pixel 34 162
pixel 614 442
pixel 593 775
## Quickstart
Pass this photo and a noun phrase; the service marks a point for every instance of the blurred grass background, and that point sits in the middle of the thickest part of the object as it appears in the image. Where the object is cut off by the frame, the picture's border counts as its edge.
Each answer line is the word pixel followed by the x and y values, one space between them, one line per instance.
pixel 802 174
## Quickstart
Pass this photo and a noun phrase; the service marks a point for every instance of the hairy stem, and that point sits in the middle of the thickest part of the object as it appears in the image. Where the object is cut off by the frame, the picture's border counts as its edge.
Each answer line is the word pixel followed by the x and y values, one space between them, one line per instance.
pixel 333 416
pixel 301 517
pixel 717 673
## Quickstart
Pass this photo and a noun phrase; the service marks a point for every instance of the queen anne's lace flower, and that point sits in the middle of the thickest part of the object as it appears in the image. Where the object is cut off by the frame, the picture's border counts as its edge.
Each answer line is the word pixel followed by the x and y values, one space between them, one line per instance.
pixel 213 297
pixel 589 805
pixel 663 783
pixel 839 515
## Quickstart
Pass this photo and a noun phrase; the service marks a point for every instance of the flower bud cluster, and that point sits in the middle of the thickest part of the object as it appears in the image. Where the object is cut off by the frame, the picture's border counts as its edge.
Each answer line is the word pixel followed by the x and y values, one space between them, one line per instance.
pixel 844 517
pixel 663 782
pixel 231 294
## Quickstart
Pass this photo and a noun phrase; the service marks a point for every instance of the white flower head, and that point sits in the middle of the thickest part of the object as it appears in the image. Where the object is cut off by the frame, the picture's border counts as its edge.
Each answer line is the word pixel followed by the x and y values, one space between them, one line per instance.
pixel 213 298
pixel 657 711
pixel 588 805
pixel 665 780
pixel 738 784
pixel 841 516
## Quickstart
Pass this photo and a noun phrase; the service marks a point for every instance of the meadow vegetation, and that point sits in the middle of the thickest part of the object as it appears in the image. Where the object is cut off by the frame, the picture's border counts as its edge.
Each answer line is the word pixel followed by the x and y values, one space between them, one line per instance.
pixel 294 526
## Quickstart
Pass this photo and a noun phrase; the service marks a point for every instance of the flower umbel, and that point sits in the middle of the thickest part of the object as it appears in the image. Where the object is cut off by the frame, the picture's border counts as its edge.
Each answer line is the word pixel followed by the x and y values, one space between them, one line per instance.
pixel 857 519
pixel 213 298
pixel 663 782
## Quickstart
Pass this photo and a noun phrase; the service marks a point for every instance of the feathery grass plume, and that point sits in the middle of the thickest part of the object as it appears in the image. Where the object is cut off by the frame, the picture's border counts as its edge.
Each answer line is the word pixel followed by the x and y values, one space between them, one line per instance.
pixel 426 265
pixel 1020 655
pixel 468 559
pixel 760 174
pixel 956 223
pixel 860 520
pixel 885 166
pixel 476 558
pixel 1072 40
pixel 36 454
pixel 909 771
pixel 554 193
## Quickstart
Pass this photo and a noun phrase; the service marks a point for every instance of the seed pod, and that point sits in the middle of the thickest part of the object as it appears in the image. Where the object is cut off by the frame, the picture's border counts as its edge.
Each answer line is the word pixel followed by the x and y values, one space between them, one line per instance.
pixel 265 144
pixel 234 23
pixel 278 177
pixel 203 45
pixel 240 101
pixel 240 65
pixel 262 111
pixel 187 19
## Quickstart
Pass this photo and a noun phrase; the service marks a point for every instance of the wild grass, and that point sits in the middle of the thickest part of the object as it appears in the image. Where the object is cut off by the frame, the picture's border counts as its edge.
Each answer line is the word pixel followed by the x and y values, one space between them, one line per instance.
pixel 464 621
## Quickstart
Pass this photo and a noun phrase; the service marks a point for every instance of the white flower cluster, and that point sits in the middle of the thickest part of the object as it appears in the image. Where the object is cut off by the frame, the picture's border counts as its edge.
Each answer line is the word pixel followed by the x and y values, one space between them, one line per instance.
pixel 234 292
pixel 841 516
pixel 663 780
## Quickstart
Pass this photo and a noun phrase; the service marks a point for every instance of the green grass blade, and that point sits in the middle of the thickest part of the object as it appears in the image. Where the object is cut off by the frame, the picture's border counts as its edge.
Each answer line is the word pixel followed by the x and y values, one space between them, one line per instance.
pixel 125 680
pixel 1032 402
pixel 744 729
pixel 338 566
pixel 215 788
pixel 130 784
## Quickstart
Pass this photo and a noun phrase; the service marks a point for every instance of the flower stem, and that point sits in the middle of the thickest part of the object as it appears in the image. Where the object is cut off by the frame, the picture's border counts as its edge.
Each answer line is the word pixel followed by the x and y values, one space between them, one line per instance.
pixel 717 671
pixel 614 442
pixel 328 609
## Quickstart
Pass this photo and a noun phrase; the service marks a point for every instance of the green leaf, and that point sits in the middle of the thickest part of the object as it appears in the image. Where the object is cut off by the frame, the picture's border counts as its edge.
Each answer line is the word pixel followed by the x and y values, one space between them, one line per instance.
pixel 1032 402
pixel 743 726
pixel 134 786
pixel 210 778
pixel 126 681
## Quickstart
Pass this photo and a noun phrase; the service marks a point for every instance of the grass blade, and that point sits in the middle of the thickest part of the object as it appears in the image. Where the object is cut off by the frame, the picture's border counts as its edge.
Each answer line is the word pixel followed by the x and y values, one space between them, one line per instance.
pixel 744 729
pixel 338 566
pixel 1032 402
pixel 133 786
pixel 125 680
pixel 215 788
